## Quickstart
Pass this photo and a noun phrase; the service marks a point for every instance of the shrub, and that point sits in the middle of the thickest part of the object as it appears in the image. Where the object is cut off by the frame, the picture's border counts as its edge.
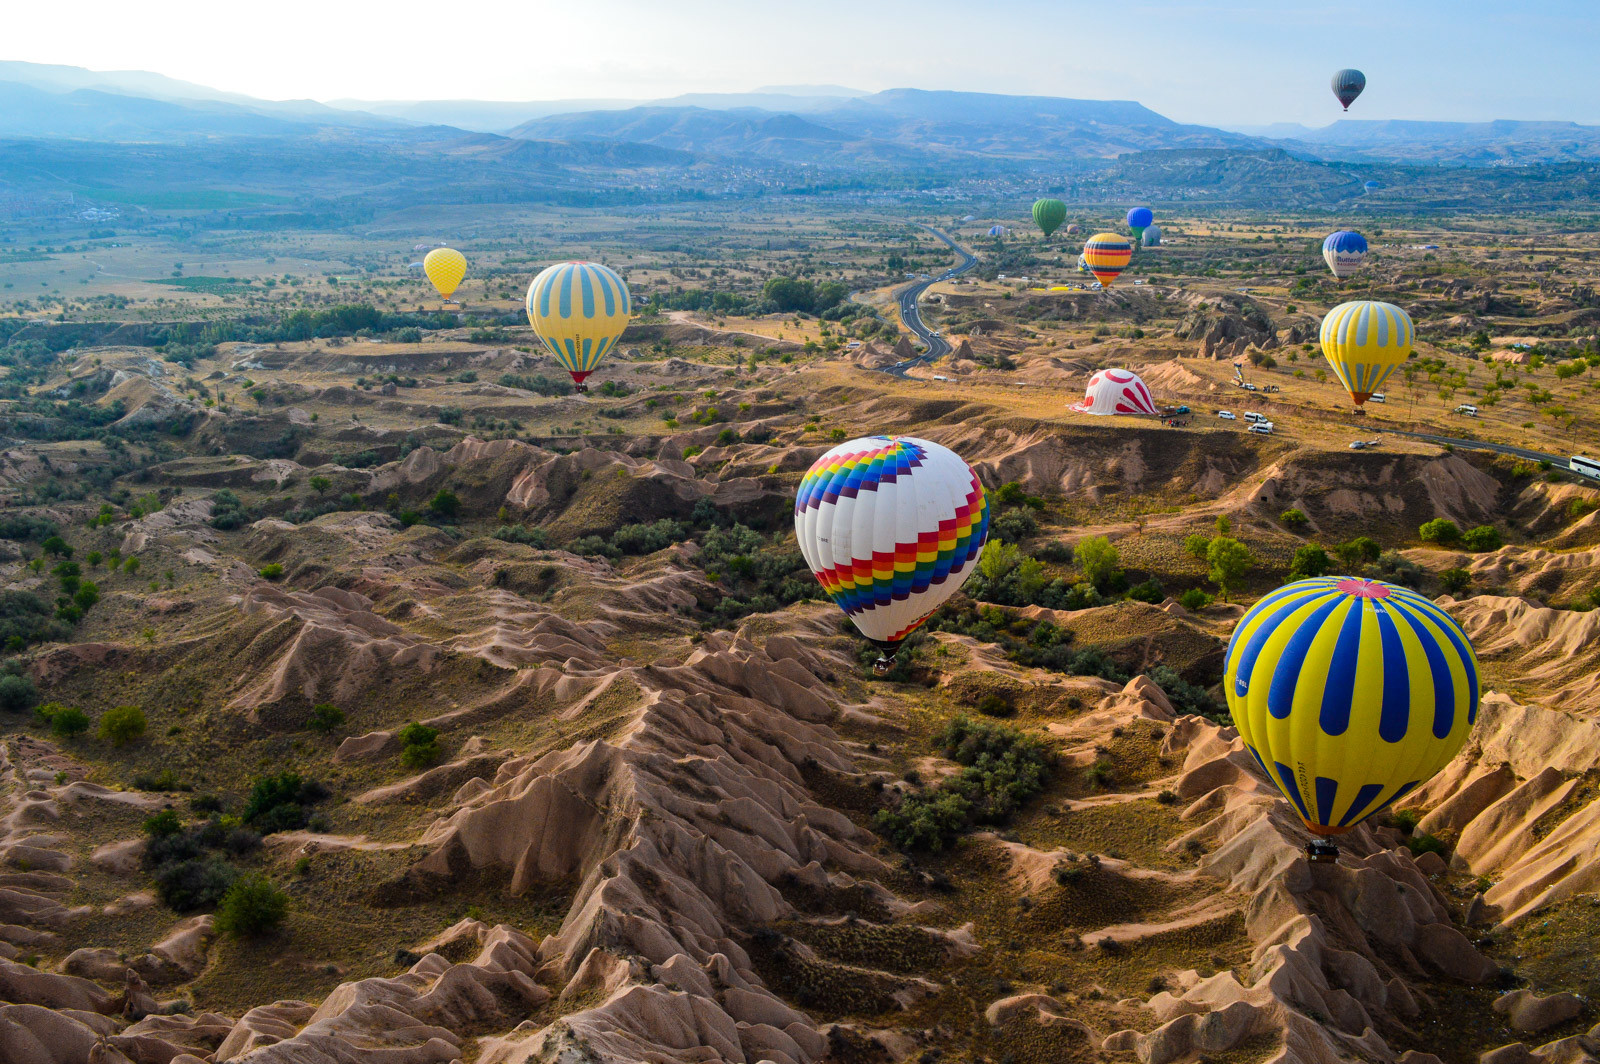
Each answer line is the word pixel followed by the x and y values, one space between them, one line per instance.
pixel 1405 819
pixel 320 484
pixel 1440 530
pixel 194 884
pixel 277 803
pixel 533 537
pixel 1194 599
pixel 419 745
pixel 1150 591
pixel 1229 561
pixel 1421 844
pixel 1481 538
pixel 17 693
pixel 252 906
pixel 1455 581
pixel 1196 545
pixel 271 571
pixel 122 725
pixel 995 705
pixel 227 511
pixel 1185 696
pixel 1309 560
pixel 1294 519
pixel 727 437
pixel 68 723
pixel 1396 568
pixel 162 824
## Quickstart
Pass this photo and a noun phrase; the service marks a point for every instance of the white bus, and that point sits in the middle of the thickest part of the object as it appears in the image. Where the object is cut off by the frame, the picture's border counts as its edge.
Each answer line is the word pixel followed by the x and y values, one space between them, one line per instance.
pixel 1589 467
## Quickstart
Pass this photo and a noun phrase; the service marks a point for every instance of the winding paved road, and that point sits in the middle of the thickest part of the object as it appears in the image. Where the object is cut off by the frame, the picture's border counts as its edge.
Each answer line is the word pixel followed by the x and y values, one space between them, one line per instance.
pixel 938 346
pixel 1559 461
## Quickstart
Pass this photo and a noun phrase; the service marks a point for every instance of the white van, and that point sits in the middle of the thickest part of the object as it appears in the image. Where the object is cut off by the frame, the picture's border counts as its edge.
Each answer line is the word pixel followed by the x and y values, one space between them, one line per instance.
pixel 1378 397
pixel 1262 427
pixel 1251 415
pixel 1226 415
pixel 1467 409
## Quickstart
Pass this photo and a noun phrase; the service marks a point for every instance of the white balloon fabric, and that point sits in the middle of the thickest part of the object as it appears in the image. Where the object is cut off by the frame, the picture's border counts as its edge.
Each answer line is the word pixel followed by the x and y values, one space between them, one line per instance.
pixel 1116 391
pixel 891 526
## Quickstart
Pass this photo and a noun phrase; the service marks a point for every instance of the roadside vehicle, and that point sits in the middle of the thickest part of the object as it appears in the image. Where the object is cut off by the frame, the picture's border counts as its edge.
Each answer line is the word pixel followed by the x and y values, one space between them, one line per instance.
pixel 1377 397
pixel 1589 467
pixel 1468 409
pixel 1263 428
pixel 1226 415
pixel 1251 415
pixel 1356 445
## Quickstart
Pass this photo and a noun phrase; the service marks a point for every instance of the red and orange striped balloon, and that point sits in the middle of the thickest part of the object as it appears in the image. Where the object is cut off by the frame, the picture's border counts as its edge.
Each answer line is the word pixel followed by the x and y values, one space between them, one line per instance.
pixel 1107 255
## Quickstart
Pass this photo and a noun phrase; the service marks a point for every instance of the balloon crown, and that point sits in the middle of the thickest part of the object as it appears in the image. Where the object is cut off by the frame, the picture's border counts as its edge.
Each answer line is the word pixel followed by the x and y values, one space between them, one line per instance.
pixel 1363 588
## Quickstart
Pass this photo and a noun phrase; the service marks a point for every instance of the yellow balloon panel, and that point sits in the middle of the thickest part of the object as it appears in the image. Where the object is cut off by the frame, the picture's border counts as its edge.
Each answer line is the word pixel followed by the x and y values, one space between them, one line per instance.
pixel 445 267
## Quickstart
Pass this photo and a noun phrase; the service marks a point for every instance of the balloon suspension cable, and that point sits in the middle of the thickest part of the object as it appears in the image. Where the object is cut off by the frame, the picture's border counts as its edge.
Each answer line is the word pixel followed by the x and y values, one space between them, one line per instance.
pixel 1321 851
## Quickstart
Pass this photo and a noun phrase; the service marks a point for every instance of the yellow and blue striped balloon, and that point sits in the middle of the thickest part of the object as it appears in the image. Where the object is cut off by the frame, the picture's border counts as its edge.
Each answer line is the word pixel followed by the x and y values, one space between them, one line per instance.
pixel 1364 341
pixel 579 310
pixel 1351 693
pixel 1107 255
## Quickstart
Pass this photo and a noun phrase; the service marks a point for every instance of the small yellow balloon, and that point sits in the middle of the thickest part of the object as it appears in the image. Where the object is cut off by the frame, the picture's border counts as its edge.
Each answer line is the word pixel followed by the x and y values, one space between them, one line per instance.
pixel 1364 341
pixel 445 267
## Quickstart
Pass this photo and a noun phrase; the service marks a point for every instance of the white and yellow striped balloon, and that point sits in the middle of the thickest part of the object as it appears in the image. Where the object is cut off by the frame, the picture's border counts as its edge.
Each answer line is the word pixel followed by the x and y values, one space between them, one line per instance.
pixel 579 310
pixel 1364 341
pixel 445 267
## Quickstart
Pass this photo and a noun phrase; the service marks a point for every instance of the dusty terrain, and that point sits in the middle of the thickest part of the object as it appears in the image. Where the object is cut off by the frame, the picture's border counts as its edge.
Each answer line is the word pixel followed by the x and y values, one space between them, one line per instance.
pixel 647 824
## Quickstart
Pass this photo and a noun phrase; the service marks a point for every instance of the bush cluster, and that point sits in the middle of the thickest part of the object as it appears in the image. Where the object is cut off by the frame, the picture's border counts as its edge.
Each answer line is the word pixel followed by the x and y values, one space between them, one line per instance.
pixel 1003 768
pixel 190 864
pixel 278 803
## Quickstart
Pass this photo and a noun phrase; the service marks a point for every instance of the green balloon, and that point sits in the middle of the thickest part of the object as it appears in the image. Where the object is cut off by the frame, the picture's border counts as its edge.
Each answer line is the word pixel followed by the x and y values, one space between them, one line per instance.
pixel 1048 214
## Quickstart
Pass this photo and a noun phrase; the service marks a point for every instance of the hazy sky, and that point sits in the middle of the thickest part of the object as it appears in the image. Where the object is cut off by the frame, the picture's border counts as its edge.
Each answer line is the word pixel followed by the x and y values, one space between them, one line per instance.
pixel 1248 61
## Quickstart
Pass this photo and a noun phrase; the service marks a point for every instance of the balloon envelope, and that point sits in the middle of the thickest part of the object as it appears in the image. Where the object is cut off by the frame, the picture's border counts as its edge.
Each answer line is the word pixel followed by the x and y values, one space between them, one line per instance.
pixel 579 310
pixel 1347 85
pixel 1351 693
pixel 1116 391
pixel 1152 236
pixel 1139 218
pixel 997 230
pixel 445 267
pixel 1364 341
pixel 1048 214
pixel 892 527
pixel 1107 255
pixel 1344 251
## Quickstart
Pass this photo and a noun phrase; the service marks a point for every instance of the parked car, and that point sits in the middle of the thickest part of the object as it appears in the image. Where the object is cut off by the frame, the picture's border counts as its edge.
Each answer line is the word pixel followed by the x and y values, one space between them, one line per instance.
pixel 1226 415
pixel 1468 409
pixel 1356 445
pixel 1378 397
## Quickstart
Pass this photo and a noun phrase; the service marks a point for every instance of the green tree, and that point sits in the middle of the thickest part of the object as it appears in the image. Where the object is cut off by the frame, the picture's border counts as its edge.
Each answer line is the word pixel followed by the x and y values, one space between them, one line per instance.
pixel 1294 519
pixel 68 723
pixel 17 693
pixel 1197 545
pixel 1229 561
pixel 326 718
pixel 1359 551
pixel 122 725
pixel 320 484
pixel 1097 558
pixel 1481 538
pixel 253 906
pixel 445 503
pixel 1310 560
pixel 1440 530
pixel 1455 581
pixel 1224 525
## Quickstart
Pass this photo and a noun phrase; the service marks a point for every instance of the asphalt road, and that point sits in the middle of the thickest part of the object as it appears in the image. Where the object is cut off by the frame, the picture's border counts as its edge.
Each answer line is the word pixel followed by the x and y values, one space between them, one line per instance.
pixel 937 346
pixel 1559 461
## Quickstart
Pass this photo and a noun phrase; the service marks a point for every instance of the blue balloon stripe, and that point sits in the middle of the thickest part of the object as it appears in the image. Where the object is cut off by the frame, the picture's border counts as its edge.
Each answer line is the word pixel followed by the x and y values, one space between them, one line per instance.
pixel 1364 798
pixel 1458 639
pixel 586 281
pixel 1251 649
pixel 1339 694
pixel 1444 685
pixel 1395 717
pixel 1292 789
pixel 1327 791
pixel 1292 659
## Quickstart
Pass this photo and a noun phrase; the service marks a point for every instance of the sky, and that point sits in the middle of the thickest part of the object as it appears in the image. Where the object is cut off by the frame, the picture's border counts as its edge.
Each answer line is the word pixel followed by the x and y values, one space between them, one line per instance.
pixel 1215 63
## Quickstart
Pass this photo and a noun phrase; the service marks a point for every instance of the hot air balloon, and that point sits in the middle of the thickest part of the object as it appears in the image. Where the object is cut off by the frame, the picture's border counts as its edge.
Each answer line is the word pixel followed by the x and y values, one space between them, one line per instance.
pixel 1347 85
pixel 1138 220
pixel 445 267
pixel 1048 214
pixel 1343 252
pixel 892 527
pixel 1351 693
pixel 998 230
pixel 1364 341
pixel 1107 255
pixel 1371 186
pixel 1116 391
pixel 1083 264
pixel 1152 236
pixel 579 309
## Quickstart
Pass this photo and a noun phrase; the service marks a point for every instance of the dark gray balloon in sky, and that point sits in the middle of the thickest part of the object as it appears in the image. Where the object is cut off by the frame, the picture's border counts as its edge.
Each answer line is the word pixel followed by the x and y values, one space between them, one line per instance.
pixel 1347 85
